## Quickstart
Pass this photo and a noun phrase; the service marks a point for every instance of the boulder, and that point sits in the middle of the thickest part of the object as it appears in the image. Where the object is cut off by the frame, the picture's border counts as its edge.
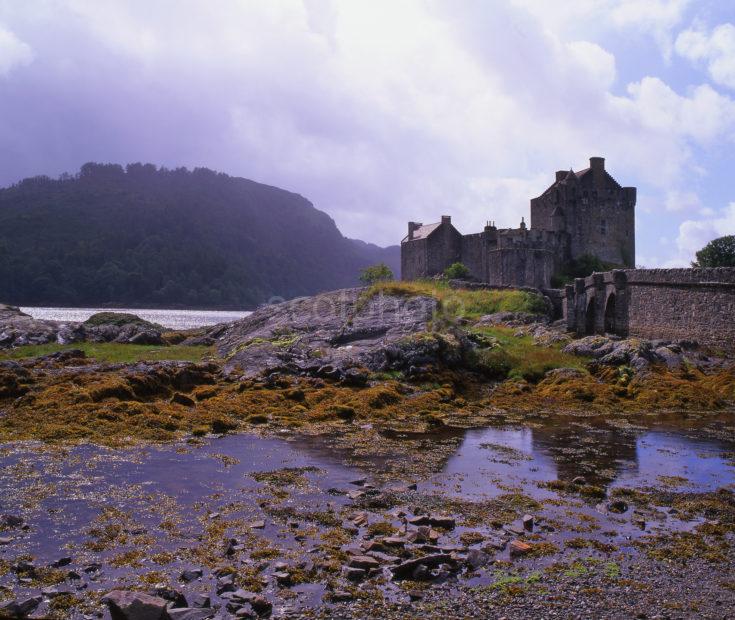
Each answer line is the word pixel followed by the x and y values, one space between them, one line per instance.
pixel 19 608
pixel 127 605
pixel 341 335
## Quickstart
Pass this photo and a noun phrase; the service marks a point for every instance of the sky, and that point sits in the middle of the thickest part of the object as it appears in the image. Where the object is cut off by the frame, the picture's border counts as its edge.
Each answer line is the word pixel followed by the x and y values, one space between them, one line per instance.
pixel 384 111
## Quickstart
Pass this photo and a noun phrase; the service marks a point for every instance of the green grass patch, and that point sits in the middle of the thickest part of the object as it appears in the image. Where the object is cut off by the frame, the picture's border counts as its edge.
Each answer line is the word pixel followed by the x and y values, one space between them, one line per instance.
pixel 115 352
pixel 517 357
pixel 462 303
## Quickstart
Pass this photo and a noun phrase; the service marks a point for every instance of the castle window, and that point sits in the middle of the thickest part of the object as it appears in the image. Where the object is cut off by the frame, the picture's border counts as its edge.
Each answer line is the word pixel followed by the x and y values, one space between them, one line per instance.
pixel 603 227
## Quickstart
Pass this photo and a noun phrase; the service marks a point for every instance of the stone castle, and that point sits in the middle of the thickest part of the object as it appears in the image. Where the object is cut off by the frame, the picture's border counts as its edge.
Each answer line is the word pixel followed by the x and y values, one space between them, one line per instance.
pixel 581 213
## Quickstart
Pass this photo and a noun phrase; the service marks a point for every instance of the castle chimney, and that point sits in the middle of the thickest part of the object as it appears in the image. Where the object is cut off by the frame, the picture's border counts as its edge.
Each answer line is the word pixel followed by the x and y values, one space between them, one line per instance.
pixel 413 227
pixel 561 175
pixel 446 219
pixel 597 164
pixel 523 223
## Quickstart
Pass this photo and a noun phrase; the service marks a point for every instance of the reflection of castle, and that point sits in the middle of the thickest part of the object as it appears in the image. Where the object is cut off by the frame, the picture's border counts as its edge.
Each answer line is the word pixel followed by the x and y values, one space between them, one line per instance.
pixel 598 455
pixel 585 212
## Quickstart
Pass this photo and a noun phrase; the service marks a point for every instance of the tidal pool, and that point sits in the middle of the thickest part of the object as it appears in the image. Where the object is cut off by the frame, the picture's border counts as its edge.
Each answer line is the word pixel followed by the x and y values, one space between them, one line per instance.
pixel 139 517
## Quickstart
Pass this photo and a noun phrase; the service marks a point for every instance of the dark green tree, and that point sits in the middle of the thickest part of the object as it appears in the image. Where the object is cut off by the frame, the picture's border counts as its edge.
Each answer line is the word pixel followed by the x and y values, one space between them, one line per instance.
pixel 717 253
pixel 376 273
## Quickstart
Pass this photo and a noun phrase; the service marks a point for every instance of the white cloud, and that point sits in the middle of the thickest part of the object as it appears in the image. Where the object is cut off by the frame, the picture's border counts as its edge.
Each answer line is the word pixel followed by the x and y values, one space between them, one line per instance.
pixel 695 234
pixel 683 201
pixel 13 52
pixel 657 18
pixel 715 48
pixel 378 112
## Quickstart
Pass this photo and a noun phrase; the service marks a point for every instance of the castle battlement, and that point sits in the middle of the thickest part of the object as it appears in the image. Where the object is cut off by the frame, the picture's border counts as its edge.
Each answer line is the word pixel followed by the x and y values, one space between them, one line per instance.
pixel 581 213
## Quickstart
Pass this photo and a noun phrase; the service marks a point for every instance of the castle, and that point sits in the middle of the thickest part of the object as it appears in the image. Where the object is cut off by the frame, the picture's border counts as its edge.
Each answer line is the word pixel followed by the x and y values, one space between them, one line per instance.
pixel 581 213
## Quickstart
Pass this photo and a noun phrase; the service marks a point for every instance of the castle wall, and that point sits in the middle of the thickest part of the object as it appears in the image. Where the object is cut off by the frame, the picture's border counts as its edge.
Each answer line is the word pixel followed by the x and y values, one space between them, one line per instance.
pixel 668 304
pixel 682 304
pixel 444 247
pixel 413 259
pixel 474 255
pixel 520 267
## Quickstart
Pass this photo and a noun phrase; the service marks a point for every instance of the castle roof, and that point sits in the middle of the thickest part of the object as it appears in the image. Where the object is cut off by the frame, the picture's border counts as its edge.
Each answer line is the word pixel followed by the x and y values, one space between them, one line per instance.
pixel 422 232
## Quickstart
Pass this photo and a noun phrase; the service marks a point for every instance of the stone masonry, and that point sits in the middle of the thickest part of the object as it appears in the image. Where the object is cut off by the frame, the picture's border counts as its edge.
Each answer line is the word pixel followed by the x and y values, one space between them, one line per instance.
pixel 585 212
pixel 669 304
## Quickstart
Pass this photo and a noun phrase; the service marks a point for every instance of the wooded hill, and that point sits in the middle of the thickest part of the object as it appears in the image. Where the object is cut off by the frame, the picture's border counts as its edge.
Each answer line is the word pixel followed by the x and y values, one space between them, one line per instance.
pixel 143 236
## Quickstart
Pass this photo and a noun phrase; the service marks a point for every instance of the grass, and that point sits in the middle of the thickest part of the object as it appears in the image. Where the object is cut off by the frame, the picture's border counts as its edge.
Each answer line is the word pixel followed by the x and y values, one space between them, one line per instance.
pixel 114 352
pixel 516 357
pixel 462 303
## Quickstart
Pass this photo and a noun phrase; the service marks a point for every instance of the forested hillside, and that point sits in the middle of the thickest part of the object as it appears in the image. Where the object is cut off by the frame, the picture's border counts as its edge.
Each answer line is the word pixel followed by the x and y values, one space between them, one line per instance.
pixel 146 236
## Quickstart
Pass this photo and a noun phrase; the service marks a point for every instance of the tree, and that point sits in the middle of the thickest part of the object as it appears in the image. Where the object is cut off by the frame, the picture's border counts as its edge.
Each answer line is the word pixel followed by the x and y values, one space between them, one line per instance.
pixel 456 271
pixel 717 253
pixel 376 273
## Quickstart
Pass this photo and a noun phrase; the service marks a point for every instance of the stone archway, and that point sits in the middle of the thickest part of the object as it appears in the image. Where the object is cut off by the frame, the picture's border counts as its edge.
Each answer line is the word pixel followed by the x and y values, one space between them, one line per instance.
pixel 590 317
pixel 610 326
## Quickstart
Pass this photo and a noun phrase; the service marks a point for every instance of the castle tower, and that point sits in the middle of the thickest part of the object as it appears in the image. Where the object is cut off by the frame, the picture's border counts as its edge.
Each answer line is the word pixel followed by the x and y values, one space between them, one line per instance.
pixel 596 213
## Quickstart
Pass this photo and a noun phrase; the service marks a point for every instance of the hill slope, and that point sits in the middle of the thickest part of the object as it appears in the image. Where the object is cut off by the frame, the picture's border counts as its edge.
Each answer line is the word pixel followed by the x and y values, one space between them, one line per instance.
pixel 144 236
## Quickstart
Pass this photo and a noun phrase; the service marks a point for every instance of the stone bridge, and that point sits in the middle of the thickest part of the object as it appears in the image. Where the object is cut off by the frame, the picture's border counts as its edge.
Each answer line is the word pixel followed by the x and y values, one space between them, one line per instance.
pixel 668 304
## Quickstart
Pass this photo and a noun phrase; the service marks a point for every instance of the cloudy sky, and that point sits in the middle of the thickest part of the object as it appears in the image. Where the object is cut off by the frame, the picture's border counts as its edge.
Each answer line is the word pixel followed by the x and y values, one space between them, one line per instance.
pixel 385 111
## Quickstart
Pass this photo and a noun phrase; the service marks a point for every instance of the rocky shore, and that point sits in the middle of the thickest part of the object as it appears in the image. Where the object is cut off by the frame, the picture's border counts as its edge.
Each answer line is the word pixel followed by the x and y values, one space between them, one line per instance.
pixel 385 381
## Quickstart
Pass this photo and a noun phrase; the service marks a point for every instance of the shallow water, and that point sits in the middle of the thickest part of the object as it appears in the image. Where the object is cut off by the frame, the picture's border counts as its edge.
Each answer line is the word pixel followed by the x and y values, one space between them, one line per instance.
pixel 172 494
pixel 172 319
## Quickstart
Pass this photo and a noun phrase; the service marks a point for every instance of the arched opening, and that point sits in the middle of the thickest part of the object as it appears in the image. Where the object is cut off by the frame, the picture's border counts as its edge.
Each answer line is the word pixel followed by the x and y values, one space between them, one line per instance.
pixel 590 317
pixel 610 314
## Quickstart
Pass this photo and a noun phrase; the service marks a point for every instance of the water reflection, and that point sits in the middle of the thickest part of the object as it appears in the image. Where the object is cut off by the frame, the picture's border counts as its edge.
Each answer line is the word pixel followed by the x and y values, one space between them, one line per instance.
pixel 490 461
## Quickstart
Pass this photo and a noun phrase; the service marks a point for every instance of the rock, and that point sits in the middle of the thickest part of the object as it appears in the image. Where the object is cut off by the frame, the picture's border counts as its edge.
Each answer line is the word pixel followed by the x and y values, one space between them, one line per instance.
pixel 579 481
pixel 415 595
pixel 93 567
pixel 406 569
pixel 257 525
pixel 127 605
pixel 617 506
pixel 258 602
pixel 190 613
pixel 360 519
pixel 10 521
pixel 354 574
pixel 226 583
pixel 283 578
pixel 183 399
pixel 5 540
pixel 447 523
pixel 394 541
pixel 378 337
pixel 65 561
pixel 19 608
pixel 519 548
pixel 421 573
pixel 340 596
pixel 528 522
pixel 191 574
pixel 198 600
pixel 174 597
pixel 364 562
pixel 355 377
pixel 384 558
pixel 477 559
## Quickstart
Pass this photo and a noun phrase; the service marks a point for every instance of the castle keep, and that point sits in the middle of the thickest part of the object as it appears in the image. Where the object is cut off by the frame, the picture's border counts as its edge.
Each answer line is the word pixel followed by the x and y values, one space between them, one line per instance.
pixel 581 213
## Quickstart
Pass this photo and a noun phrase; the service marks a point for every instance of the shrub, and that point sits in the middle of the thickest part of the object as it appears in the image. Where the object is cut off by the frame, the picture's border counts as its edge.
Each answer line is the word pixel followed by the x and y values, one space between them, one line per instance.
pixel 457 271
pixel 376 273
